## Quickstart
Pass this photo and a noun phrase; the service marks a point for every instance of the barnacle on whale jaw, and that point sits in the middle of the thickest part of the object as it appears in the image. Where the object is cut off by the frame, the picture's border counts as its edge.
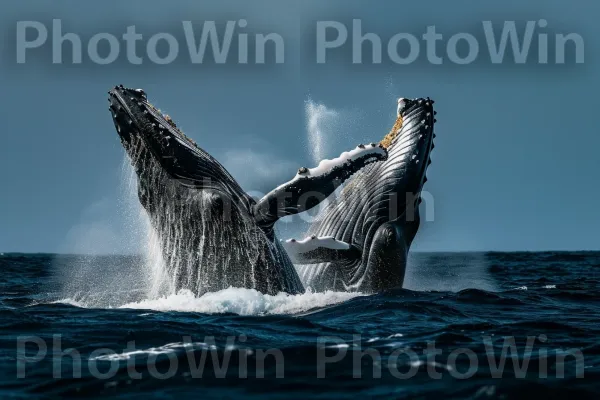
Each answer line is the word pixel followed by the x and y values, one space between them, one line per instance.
pixel 172 123
pixel 389 138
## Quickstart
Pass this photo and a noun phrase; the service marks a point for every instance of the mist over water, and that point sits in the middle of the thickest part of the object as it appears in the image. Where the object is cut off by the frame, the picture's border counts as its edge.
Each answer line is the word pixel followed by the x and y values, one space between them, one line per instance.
pixel 320 121
pixel 449 272
pixel 91 281
pixel 154 272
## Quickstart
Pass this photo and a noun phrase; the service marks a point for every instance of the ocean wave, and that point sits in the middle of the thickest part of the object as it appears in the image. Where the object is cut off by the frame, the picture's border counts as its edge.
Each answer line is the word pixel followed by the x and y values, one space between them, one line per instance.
pixel 559 309
pixel 154 351
pixel 235 301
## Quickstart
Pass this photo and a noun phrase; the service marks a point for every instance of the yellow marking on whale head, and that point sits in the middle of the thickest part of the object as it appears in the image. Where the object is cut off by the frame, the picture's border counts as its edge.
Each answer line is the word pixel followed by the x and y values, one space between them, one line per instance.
pixel 389 138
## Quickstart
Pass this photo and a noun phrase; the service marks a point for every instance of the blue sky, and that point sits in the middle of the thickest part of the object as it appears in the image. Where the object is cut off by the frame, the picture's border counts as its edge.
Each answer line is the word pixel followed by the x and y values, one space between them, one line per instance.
pixel 516 161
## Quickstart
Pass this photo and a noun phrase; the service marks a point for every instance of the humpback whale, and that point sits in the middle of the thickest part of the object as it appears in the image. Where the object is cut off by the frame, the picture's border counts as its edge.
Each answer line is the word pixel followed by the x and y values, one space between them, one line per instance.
pixel 367 230
pixel 213 235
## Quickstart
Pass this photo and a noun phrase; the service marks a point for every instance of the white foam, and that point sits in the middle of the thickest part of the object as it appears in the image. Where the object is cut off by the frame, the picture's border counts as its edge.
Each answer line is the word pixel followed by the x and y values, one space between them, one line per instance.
pixel 310 244
pixel 395 335
pixel 235 300
pixel 339 346
pixel 168 348
pixel 434 364
pixel 368 152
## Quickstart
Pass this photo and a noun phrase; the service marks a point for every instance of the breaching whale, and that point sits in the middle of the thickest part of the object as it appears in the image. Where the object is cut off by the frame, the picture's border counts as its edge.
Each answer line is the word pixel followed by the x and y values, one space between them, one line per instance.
pixel 213 235
pixel 372 223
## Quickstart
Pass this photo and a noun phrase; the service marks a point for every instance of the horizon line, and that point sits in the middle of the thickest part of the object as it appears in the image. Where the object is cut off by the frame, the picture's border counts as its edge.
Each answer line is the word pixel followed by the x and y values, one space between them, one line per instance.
pixel 5 253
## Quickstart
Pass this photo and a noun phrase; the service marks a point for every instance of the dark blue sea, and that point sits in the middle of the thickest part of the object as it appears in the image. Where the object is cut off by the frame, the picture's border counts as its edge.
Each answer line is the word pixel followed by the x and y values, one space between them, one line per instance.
pixel 466 325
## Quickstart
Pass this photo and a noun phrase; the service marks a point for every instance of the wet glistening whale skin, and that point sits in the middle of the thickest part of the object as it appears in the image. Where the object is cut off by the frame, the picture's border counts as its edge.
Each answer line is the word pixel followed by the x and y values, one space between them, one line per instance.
pixel 213 235
pixel 376 215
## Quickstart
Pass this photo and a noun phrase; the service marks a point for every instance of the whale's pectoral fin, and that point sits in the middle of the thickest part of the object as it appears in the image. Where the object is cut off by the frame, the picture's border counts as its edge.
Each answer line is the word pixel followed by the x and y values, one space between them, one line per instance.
pixel 311 186
pixel 314 250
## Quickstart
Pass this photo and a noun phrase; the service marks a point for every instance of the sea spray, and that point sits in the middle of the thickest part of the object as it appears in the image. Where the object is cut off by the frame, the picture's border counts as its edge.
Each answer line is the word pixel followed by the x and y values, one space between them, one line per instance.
pixel 319 122
pixel 146 239
pixel 135 270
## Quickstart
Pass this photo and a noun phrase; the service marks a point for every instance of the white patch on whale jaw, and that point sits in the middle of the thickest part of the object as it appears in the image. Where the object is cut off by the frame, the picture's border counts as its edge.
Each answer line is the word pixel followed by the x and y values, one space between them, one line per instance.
pixel 369 153
pixel 359 152
pixel 312 243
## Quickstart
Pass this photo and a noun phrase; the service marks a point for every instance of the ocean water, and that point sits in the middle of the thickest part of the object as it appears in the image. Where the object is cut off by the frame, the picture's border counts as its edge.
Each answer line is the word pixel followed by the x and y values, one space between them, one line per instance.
pixel 74 326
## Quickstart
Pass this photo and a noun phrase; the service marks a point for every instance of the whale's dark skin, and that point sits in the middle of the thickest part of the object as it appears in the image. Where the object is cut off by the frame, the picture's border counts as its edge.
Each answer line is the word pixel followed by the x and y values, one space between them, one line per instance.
pixel 212 234
pixel 376 214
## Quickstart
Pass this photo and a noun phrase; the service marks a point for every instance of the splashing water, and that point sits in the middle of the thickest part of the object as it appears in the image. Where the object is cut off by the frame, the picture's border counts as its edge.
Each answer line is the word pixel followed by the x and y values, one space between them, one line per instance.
pixel 138 222
pixel 234 300
pixel 319 121
pixel 99 280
